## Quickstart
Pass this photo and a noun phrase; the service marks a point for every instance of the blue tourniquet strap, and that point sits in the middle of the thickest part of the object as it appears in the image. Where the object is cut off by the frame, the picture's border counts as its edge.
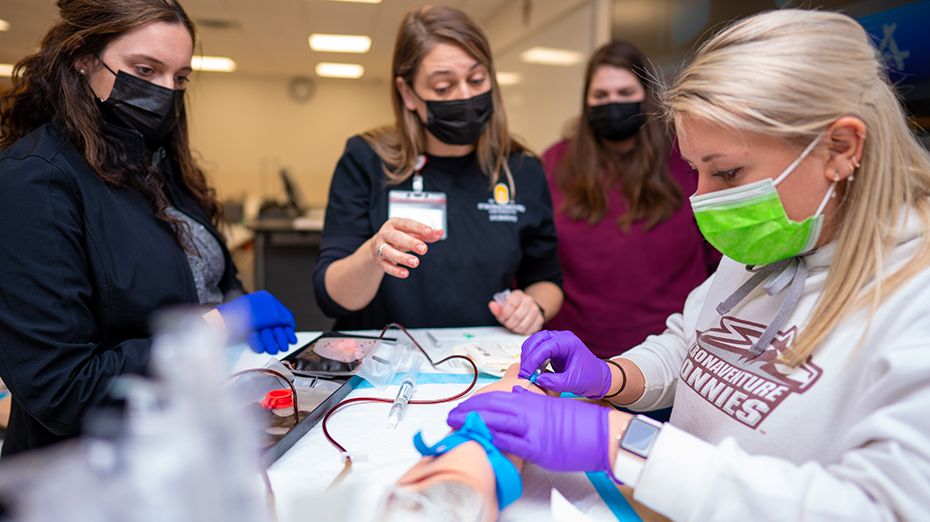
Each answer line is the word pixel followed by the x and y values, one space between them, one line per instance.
pixel 509 482
pixel 615 500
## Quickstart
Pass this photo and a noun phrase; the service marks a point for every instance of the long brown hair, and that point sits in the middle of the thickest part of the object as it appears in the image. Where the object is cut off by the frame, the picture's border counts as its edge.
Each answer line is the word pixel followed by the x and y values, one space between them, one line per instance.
pixel 46 85
pixel 398 145
pixel 590 169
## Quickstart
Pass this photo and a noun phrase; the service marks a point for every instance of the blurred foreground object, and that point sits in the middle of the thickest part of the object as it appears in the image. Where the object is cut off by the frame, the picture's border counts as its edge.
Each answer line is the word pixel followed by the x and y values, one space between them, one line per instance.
pixel 182 451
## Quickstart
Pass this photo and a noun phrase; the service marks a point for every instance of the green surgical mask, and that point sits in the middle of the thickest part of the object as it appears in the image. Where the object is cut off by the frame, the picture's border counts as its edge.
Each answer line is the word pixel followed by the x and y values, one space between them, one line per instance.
pixel 749 224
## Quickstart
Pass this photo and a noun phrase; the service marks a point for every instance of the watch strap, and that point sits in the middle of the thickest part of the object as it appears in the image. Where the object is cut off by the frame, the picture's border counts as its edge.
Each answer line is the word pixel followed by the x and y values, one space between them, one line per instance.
pixel 631 456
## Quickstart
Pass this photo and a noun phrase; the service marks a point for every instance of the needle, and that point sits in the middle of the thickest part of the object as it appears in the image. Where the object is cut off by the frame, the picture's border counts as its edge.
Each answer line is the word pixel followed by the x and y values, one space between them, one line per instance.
pixel 542 368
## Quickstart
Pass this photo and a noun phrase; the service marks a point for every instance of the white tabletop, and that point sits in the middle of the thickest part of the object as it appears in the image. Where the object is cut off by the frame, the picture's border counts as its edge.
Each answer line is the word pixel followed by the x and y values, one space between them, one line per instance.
pixel 300 476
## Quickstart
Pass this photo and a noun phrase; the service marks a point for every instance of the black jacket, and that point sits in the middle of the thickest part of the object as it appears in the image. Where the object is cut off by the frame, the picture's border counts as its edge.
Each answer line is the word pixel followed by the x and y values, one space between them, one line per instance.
pixel 84 264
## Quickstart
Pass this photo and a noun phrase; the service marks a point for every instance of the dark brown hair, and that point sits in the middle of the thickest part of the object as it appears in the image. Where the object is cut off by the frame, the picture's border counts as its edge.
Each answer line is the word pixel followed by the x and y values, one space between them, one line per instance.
pixel 398 145
pixel 46 85
pixel 590 168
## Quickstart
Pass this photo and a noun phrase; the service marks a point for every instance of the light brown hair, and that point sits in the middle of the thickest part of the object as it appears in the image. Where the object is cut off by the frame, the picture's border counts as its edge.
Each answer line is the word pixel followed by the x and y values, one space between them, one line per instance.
pixel 398 145
pixel 46 85
pixel 590 169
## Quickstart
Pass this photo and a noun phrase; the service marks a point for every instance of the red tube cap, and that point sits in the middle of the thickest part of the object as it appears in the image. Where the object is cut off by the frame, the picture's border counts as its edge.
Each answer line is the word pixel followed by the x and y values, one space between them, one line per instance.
pixel 276 399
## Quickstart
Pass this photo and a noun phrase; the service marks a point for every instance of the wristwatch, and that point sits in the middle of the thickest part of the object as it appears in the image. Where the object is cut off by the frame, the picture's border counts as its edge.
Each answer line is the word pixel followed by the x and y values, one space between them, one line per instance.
pixel 633 447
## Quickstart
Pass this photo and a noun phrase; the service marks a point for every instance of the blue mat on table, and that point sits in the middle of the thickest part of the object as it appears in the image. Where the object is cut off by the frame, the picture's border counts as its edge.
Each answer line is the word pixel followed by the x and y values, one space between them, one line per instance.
pixel 436 378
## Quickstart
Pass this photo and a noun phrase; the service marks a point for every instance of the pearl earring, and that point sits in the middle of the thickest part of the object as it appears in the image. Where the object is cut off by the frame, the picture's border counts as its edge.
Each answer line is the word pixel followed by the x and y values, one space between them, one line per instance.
pixel 81 71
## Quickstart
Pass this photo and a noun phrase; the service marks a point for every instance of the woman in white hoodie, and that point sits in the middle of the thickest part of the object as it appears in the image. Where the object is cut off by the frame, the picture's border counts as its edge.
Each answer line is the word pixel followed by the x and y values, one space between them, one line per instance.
pixel 800 372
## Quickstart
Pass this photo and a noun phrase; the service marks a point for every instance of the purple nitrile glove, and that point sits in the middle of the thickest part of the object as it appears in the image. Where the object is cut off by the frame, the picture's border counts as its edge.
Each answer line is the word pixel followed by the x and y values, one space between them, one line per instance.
pixel 554 433
pixel 268 323
pixel 577 370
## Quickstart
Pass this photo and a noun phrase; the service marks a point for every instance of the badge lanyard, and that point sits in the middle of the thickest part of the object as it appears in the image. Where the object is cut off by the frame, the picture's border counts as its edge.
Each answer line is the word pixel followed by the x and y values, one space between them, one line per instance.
pixel 417 177
pixel 428 208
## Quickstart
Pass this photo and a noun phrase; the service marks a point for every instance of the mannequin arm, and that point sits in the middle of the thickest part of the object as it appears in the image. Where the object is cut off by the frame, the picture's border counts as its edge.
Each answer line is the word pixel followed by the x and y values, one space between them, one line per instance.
pixel 466 464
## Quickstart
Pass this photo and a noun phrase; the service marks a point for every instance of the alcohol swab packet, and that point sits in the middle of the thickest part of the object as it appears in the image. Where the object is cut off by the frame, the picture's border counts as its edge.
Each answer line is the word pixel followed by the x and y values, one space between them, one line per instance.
pixel 501 297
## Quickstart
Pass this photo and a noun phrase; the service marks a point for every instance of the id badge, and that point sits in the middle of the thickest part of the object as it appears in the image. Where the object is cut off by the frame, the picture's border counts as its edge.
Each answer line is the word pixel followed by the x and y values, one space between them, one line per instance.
pixel 428 208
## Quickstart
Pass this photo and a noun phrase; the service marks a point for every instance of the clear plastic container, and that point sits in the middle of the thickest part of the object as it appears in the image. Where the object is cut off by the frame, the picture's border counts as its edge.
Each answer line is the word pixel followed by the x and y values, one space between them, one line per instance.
pixel 380 365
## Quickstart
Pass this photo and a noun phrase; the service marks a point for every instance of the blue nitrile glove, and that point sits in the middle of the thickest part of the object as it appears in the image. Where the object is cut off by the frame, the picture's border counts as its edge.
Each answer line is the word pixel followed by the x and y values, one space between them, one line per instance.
pixel 577 370
pixel 272 340
pixel 554 433
pixel 268 323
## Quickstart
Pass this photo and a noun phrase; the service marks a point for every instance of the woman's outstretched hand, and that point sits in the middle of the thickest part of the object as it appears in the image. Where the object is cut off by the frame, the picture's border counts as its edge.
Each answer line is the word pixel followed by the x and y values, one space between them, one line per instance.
pixel 391 246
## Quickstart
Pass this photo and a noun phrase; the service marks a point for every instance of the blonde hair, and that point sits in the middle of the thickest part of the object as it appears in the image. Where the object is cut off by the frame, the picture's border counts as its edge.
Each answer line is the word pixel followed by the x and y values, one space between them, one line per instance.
pixel 790 74
pixel 398 145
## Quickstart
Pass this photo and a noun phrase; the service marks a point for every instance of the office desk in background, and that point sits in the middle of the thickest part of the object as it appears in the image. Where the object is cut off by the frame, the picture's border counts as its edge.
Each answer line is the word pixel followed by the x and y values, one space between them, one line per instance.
pixel 286 252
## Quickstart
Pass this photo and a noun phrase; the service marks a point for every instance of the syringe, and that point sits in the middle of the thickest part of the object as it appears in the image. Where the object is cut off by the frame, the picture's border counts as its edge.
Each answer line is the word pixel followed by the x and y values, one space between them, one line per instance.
pixel 542 368
pixel 407 387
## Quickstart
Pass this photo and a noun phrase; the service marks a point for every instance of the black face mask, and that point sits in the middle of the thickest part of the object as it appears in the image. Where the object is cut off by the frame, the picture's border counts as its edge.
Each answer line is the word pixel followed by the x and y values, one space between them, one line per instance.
pixel 143 106
pixel 616 121
pixel 458 122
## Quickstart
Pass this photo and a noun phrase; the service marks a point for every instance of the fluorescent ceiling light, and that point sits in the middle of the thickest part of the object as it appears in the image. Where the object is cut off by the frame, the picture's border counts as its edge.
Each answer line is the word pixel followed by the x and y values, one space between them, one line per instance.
pixel 359 1
pixel 213 63
pixel 509 78
pixel 6 69
pixel 340 43
pixel 339 70
pixel 4 25
pixel 549 56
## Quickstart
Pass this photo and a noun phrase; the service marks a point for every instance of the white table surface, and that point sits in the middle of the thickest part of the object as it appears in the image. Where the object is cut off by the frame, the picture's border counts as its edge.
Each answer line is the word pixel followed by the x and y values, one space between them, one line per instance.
pixel 300 477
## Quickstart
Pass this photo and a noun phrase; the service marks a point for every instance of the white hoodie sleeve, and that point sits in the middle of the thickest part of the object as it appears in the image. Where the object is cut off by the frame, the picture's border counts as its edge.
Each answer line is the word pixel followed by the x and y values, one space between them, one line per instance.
pixel 883 473
pixel 879 463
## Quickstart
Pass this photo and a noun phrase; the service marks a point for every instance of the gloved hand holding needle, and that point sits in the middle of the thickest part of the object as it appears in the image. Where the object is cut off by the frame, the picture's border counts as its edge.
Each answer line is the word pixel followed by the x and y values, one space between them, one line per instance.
pixel 577 370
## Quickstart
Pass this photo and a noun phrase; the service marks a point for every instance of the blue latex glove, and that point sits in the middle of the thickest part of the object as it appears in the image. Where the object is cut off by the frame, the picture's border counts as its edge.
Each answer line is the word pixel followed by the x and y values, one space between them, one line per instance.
pixel 557 434
pixel 268 323
pixel 577 370
pixel 272 340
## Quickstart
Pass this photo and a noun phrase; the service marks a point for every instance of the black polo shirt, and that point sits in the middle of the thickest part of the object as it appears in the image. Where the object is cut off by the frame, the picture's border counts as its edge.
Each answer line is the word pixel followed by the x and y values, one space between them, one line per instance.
pixel 490 246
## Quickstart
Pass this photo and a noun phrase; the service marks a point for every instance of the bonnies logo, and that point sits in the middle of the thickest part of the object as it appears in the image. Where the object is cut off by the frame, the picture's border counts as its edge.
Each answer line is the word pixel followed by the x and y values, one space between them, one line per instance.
pixel 720 369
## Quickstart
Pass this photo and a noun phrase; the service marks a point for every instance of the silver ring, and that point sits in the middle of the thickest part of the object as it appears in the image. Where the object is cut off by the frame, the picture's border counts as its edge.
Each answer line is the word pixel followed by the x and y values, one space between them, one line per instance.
pixel 380 248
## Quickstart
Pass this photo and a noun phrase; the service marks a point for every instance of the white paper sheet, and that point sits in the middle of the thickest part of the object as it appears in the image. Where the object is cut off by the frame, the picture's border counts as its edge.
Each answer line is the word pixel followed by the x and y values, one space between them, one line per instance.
pixel 301 476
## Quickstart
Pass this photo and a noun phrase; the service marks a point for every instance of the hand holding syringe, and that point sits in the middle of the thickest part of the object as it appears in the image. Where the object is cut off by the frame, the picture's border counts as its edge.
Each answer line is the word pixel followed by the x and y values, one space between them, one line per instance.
pixel 407 386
